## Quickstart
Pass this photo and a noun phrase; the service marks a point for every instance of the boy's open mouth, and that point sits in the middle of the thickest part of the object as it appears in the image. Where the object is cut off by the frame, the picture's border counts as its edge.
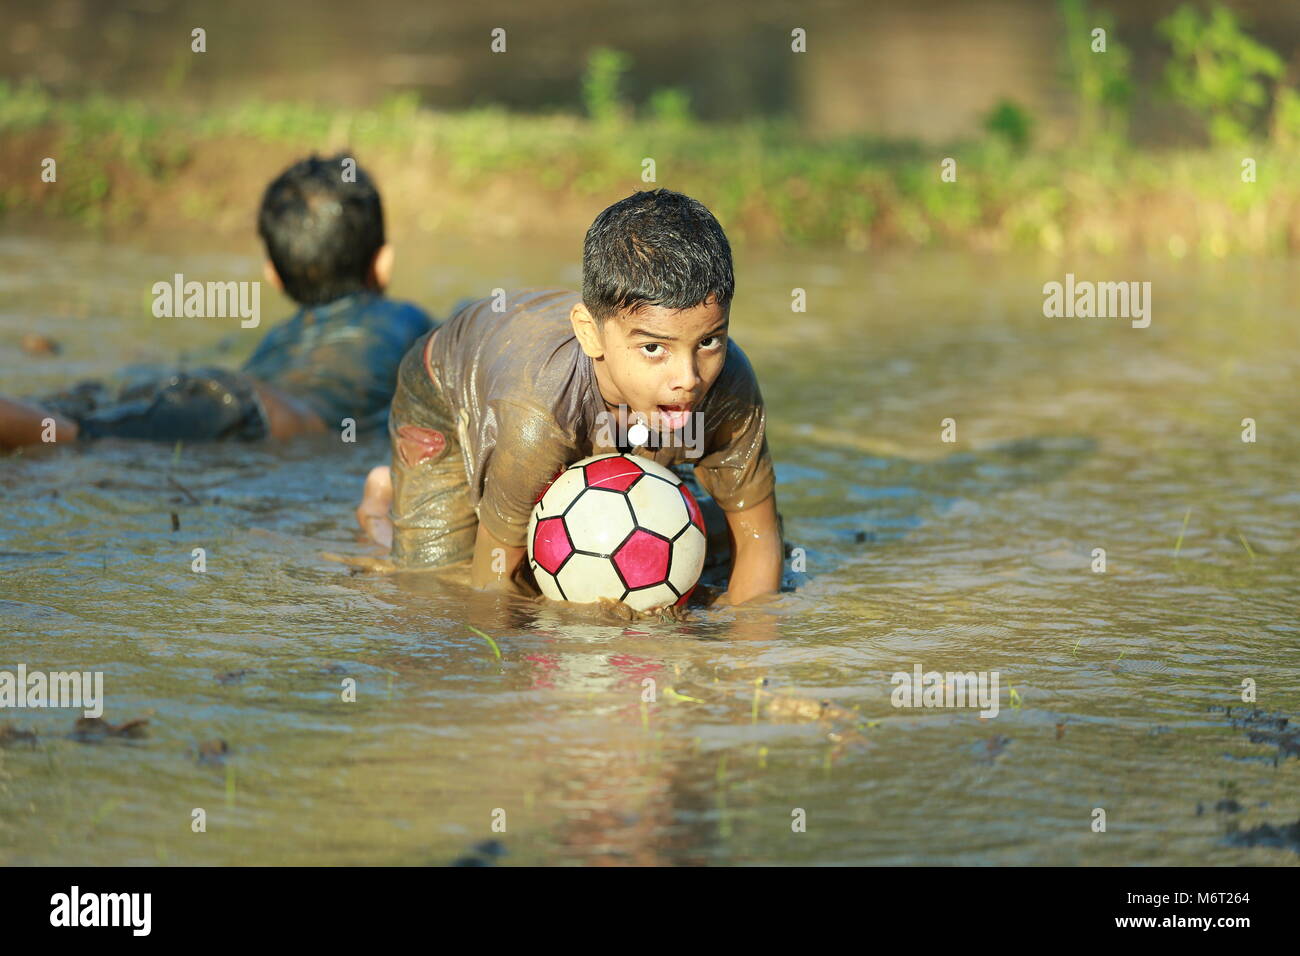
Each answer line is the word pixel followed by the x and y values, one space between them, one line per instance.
pixel 674 416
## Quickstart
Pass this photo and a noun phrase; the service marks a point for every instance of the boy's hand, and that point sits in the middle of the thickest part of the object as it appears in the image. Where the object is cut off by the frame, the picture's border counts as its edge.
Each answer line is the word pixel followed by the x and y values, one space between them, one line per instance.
pixel 497 566
pixel 757 553
pixel 618 611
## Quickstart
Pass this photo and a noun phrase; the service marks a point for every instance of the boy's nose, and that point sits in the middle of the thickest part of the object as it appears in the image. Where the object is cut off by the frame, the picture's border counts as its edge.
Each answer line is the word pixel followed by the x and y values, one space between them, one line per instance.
pixel 687 376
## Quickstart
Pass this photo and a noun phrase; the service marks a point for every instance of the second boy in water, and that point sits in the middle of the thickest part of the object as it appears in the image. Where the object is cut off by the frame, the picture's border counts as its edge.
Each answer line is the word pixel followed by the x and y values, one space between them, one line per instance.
pixel 335 359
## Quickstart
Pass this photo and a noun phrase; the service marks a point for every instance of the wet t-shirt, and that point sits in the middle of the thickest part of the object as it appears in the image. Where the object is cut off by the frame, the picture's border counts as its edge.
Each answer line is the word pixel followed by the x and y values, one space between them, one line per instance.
pixel 523 399
pixel 341 358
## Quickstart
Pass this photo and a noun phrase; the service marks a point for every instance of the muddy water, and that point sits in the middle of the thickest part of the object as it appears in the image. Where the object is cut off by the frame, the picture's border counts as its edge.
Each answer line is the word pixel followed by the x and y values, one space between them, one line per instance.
pixel 976 555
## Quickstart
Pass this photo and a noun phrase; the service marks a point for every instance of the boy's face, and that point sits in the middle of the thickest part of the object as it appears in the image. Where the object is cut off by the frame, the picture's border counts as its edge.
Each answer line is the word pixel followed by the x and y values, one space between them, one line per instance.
pixel 659 362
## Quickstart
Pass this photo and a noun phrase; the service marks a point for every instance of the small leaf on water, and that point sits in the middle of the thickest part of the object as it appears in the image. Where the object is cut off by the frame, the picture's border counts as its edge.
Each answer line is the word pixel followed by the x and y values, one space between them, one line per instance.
pixel 672 694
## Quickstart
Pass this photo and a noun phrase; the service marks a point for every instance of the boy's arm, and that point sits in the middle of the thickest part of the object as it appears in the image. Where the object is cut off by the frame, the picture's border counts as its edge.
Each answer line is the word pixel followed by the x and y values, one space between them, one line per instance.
pixel 531 451
pixel 490 554
pixel 757 552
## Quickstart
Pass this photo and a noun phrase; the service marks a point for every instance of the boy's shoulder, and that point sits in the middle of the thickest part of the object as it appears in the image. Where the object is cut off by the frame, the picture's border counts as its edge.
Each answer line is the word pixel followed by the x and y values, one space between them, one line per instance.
pixel 515 354
pixel 401 310
pixel 511 336
pixel 369 308
pixel 376 310
pixel 360 321
pixel 513 308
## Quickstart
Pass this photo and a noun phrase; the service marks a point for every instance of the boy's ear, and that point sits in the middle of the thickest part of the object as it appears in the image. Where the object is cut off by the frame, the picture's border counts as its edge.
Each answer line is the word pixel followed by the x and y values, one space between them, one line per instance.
pixel 585 328
pixel 381 267
pixel 271 276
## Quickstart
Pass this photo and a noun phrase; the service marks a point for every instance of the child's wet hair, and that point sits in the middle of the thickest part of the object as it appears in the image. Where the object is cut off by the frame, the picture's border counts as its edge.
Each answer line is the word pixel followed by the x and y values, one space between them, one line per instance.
pixel 321 233
pixel 659 248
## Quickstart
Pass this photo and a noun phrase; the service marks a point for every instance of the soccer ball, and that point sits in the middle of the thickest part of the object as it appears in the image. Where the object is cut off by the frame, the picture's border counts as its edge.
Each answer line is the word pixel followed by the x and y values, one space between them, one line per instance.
pixel 617 526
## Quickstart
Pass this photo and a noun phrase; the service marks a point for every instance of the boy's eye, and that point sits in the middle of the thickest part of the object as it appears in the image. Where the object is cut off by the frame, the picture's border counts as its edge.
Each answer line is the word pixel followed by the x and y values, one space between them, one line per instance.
pixel 653 345
pixel 711 343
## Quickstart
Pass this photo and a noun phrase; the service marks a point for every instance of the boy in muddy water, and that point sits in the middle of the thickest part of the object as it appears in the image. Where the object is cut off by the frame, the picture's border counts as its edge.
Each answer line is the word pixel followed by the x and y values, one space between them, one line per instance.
pixel 511 390
pixel 335 359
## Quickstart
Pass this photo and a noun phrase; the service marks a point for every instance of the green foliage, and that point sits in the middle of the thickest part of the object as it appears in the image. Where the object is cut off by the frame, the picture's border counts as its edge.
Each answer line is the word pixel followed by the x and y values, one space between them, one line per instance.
pixel 766 179
pixel 600 86
pixel 25 106
pixel 1286 118
pixel 1011 123
pixel 1219 72
pixel 1101 79
pixel 670 107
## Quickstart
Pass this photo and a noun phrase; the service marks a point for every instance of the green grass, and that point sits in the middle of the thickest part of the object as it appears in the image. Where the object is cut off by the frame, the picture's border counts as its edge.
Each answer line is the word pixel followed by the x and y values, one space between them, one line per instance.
pixel 496 651
pixel 1178 545
pixel 767 180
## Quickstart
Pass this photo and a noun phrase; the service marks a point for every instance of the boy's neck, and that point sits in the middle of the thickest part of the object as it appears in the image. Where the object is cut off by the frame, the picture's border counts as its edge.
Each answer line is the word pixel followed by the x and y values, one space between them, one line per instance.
pixel 346 296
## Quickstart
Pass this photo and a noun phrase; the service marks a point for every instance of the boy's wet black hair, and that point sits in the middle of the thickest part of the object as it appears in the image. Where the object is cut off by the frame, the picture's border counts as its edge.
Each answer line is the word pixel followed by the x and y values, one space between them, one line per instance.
pixel 655 248
pixel 321 233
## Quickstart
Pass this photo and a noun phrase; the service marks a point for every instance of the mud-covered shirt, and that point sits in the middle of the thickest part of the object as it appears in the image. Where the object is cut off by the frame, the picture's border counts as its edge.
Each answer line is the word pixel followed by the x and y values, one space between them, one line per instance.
pixel 523 399
pixel 341 358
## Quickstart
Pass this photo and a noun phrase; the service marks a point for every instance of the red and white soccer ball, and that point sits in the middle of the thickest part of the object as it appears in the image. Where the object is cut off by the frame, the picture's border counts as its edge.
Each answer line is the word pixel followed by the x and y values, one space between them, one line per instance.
pixel 617 526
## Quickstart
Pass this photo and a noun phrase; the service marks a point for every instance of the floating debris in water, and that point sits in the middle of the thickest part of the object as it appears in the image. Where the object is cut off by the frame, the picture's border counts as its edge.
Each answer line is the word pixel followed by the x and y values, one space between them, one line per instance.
pixel 11 736
pixel 1122 666
pixel 176 521
pixel 1284 837
pixel 843 727
pixel 234 677
pixel 1261 727
pixel 781 707
pixel 33 343
pixel 482 854
pixel 90 729
pixel 213 751
pixel 994 746
pixel 1228 805
pixel 846 738
pixel 185 491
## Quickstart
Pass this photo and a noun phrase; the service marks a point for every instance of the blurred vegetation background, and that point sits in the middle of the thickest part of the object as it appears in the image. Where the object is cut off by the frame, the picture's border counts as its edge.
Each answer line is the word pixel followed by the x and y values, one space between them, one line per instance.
pixel 1103 125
